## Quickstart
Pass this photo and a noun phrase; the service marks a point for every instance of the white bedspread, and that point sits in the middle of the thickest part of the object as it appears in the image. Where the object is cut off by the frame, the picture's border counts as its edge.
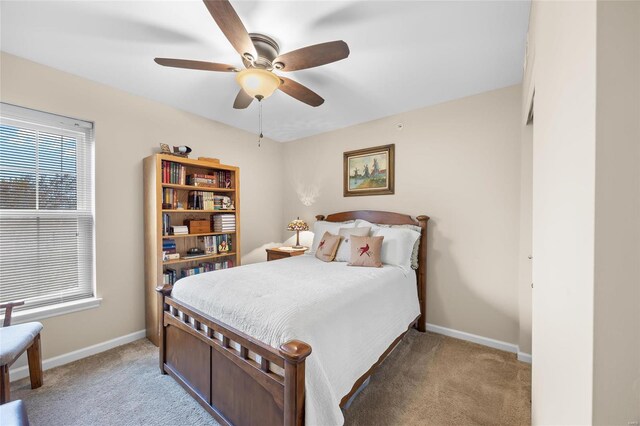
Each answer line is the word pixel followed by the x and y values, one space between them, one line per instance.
pixel 349 315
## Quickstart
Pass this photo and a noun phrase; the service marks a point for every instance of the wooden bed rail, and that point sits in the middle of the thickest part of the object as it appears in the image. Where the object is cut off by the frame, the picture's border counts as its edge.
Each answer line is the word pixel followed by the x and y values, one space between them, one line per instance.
pixel 234 376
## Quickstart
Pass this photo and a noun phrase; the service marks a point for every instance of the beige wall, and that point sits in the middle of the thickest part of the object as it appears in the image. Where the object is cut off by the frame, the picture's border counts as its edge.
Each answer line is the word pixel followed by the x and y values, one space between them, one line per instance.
pixel 616 369
pixel 563 210
pixel 129 128
pixel 457 162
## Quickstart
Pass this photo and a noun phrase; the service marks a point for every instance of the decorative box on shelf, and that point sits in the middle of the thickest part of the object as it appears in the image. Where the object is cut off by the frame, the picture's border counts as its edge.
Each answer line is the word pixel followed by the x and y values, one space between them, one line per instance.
pixel 198 226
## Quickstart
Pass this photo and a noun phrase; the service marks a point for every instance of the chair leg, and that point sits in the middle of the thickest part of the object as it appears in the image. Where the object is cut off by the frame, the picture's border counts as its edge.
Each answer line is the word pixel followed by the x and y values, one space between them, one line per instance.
pixel 5 394
pixel 34 355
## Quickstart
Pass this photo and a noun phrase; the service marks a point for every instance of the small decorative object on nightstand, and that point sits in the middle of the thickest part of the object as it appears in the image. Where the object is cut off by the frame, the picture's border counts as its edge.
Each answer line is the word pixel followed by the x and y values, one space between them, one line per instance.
pixel 298 225
pixel 284 252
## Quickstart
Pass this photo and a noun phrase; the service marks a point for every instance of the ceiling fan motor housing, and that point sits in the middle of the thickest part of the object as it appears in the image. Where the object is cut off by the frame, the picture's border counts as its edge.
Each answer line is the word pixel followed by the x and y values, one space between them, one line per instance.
pixel 267 49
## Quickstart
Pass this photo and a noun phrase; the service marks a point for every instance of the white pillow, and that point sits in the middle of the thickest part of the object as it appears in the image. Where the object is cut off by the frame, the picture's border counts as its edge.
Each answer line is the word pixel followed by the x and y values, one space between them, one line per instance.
pixel 322 226
pixel 397 246
pixel 344 251
pixel 363 223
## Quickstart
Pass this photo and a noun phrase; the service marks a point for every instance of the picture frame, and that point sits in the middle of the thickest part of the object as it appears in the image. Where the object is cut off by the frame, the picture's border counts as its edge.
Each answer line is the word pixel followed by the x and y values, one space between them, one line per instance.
pixel 369 171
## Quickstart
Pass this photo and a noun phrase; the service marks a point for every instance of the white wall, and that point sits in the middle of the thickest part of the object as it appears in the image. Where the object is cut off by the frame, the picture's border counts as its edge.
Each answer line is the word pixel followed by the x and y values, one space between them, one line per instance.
pixel 616 369
pixel 129 128
pixel 563 211
pixel 459 163
pixel 586 212
pixel 524 262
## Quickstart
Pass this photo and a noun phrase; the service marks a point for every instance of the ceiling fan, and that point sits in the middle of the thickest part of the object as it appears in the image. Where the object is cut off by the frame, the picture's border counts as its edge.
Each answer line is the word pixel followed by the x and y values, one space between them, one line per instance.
pixel 261 56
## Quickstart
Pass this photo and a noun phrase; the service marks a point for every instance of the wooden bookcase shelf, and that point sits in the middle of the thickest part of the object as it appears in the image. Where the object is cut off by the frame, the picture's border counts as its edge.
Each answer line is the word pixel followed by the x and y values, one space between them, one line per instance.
pixel 196 211
pixel 197 235
pixel 197 188
pixel 156 183
pixel 197 259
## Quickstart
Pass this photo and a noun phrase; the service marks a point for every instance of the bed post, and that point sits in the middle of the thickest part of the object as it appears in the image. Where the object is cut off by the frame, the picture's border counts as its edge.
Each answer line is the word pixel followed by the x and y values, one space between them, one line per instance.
pixel 294 353
pixel 422 274
pixel 163 291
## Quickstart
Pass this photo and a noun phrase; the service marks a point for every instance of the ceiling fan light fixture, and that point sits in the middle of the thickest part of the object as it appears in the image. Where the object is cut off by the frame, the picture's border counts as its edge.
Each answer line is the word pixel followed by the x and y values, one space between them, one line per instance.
pixel 258 83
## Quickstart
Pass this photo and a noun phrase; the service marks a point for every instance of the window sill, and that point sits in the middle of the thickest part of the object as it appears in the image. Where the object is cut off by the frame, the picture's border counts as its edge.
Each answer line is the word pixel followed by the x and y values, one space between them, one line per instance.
pixel 54 310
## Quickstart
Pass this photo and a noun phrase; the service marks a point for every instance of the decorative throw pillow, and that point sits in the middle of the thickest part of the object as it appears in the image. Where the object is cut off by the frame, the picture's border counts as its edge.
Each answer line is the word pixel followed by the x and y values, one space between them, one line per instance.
pixel 327 247
pixel 366 251
pixel 322 226
pixel 344 249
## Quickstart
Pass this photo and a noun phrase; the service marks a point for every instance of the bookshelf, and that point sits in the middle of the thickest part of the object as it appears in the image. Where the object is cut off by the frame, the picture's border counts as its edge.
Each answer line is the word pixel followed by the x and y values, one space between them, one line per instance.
pixel 178 190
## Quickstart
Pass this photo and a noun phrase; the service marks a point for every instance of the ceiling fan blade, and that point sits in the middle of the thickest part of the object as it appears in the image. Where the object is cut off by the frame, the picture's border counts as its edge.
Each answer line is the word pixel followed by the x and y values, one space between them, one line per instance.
pixel 195 65
pixel 312 56
pixel 300 92
pixel 243 100
pixel 227 19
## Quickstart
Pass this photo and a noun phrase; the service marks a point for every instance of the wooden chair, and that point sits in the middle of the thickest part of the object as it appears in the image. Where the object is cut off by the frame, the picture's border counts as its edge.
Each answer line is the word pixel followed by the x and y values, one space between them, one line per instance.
pixel 14 340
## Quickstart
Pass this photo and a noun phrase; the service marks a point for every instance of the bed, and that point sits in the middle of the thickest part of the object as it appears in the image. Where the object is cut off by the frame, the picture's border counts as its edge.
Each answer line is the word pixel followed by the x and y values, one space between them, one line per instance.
pixel 240 341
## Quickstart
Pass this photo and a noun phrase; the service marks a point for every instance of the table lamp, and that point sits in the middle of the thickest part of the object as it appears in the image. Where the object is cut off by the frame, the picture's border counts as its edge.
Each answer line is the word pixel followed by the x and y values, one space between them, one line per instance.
pixel 298 225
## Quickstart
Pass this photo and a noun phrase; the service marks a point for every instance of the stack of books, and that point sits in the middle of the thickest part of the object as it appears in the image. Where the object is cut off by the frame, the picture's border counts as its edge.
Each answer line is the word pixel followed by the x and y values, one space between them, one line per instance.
pixel 173 173
pixel 169 251
pixel 205 181
pixel 179 230
pixel 224 223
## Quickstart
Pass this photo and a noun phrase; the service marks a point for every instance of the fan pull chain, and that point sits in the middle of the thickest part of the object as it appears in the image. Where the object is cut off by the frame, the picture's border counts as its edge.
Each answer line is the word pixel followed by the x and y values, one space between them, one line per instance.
pixel 260 115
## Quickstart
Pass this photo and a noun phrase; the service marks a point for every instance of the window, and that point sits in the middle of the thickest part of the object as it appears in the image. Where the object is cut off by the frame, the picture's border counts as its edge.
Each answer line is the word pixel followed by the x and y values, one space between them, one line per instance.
pixel 46 208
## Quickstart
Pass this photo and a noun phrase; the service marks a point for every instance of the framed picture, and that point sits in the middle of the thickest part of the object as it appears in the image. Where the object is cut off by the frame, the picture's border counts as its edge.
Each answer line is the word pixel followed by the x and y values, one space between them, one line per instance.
pixel 369 171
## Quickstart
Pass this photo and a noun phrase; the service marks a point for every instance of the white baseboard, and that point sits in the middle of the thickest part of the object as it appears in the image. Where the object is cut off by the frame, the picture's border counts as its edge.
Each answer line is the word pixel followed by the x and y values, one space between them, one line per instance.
pixel 22 372
pixel 524 357
pixel 481 340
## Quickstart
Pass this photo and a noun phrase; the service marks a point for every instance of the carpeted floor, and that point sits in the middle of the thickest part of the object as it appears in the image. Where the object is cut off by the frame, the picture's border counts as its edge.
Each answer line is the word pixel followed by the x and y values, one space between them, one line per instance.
pixel 428 379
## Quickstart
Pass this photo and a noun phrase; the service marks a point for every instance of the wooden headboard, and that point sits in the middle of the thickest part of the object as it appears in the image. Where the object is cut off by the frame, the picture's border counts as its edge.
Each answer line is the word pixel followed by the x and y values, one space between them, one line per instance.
pixel 390 218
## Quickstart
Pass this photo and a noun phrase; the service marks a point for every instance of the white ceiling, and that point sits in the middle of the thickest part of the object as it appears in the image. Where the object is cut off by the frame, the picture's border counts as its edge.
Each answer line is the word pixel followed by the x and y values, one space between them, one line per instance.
pixel 404 54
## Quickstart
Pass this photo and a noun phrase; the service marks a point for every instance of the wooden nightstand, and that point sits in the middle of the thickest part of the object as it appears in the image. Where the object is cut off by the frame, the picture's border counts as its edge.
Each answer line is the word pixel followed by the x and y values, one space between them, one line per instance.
pixel 277 253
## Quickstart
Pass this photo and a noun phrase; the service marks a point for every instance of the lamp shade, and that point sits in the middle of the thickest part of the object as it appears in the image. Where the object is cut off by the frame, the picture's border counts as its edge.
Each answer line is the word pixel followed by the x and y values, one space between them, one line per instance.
pixel 258 83
pixel 297 225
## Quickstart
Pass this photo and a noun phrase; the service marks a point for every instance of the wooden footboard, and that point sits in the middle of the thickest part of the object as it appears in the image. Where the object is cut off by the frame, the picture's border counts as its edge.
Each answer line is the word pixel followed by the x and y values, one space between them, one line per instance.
pixel 239 380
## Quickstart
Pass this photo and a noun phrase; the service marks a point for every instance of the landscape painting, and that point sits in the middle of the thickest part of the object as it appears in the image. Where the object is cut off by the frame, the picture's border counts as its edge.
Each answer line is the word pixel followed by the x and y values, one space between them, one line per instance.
pixel 369 171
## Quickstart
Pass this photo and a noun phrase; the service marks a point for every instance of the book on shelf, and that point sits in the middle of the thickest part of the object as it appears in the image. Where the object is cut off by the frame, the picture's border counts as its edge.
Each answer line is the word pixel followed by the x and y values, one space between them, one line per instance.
pixel 169 198
pixel 206 181
pixel 179 230
pixel 169 276
pixel 169 244
pixel 217 244
pixel 207 267
pixel 174 173
pixel 166 223
pixel 219 179
pixel 224 178
pixel 224 222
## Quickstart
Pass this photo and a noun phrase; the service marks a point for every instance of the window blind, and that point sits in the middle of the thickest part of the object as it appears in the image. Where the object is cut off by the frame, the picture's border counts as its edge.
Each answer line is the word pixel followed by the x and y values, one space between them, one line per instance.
pixel 46 208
